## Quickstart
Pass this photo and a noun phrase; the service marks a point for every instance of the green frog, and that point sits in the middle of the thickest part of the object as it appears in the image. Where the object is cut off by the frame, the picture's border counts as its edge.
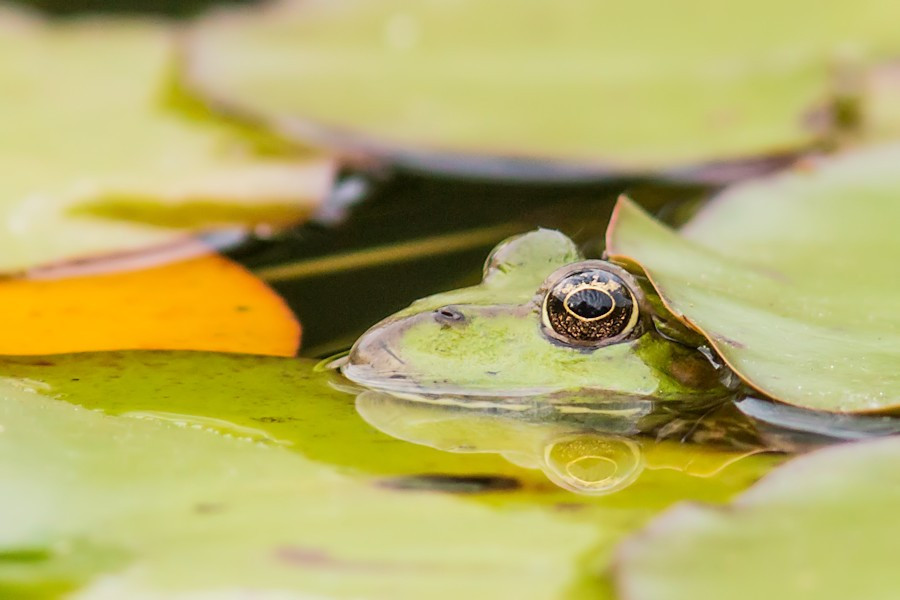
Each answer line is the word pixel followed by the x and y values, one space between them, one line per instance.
pixel 544 326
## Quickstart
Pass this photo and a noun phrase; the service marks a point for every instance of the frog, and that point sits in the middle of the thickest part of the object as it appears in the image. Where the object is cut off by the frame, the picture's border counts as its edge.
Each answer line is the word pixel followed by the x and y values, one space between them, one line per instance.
pixel 544 325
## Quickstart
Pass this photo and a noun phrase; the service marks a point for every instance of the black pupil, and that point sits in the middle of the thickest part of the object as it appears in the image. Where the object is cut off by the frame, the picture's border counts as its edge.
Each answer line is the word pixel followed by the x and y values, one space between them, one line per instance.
pixel 590 303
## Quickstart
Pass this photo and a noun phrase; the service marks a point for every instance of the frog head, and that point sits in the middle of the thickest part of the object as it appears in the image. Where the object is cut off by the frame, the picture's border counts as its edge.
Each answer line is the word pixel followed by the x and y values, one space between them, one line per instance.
pixel 542 321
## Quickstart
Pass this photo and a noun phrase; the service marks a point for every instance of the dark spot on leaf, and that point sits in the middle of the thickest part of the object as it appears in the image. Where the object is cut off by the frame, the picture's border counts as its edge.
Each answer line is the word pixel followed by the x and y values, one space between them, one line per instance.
pixel 454 484
pixel 274 419
pixel 206 508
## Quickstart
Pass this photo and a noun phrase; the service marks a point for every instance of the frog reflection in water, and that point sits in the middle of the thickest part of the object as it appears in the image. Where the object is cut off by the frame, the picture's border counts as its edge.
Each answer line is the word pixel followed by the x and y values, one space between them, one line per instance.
pixel 544 323
pixel 581 347
pixel 572 456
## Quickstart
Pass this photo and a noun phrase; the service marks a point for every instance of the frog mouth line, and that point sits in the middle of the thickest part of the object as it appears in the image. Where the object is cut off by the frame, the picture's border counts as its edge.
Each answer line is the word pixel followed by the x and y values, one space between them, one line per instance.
pixel 394 382
pixel 443 392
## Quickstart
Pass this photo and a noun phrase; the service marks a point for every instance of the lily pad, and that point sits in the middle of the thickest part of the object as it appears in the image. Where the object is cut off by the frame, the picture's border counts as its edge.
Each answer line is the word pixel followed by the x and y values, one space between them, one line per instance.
pixel 206 303
pixel 789 279
pixel 160 509
pixel 95 161
pixel 822 527
pixel 545 90
pixel 296 493
pixel 288 402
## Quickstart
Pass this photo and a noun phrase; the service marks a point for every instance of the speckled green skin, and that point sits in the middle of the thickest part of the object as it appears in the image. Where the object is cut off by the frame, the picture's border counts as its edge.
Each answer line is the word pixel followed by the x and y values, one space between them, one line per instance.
pixel 497 348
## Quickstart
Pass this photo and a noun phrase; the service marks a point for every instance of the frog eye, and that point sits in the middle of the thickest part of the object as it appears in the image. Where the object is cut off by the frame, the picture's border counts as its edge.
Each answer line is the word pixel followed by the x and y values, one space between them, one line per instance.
pixel 591 306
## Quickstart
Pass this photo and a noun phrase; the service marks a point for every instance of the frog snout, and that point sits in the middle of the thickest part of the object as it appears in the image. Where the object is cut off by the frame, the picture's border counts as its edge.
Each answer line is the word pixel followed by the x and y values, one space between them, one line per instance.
pixel 374 351
pixel 373 359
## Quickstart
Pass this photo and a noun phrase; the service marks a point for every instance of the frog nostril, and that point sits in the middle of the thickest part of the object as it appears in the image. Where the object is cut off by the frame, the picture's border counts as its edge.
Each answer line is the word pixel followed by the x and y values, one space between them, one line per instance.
pixel 448 315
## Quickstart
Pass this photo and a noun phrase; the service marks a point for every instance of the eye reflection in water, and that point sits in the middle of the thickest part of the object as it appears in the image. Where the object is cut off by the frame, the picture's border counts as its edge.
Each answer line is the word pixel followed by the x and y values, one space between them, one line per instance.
pixel 588 463
pixel 593 456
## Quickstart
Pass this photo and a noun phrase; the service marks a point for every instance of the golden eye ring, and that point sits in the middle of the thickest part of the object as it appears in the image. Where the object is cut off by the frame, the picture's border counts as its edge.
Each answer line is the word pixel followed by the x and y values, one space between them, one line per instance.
pixel 590 305
pixel 567 302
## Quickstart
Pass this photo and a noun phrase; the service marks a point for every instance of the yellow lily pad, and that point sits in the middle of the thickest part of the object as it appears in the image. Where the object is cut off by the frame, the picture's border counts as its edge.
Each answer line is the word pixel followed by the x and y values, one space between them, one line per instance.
pixel 206 303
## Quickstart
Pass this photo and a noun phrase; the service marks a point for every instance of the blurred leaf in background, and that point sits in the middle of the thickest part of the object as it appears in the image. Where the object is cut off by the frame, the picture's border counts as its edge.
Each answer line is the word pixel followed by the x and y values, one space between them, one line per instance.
pixel 96 163
pixel 553 89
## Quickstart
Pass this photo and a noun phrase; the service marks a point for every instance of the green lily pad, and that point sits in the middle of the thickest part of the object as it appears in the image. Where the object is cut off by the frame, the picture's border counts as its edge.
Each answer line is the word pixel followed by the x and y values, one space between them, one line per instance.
pixel 551 90
pixel 284 402
pixel 166 509
pixel 822 527
pixel 790 279
pixel 96 159
pixel 295 494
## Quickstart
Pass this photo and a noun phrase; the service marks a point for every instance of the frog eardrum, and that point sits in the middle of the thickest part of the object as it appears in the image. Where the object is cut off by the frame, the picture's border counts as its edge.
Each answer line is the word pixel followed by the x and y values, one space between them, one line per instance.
pixel 591 304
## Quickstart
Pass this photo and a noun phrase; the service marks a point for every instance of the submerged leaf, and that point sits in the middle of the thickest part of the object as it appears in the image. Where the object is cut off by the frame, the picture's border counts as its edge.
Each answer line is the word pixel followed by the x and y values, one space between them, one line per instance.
pixel 94 162
pixel 823 527
pixel 544 89
pixel 790 278
pixel 207 303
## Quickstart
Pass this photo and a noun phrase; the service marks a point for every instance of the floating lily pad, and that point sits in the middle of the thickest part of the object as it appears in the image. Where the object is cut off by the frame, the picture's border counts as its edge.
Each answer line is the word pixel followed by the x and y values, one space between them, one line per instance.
pixel 823 527
pixel 285 401
pixel 160 509
pixel 552 90
pixel 790 279
pixel 96 161
pixel 206 303
pixel 296 493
